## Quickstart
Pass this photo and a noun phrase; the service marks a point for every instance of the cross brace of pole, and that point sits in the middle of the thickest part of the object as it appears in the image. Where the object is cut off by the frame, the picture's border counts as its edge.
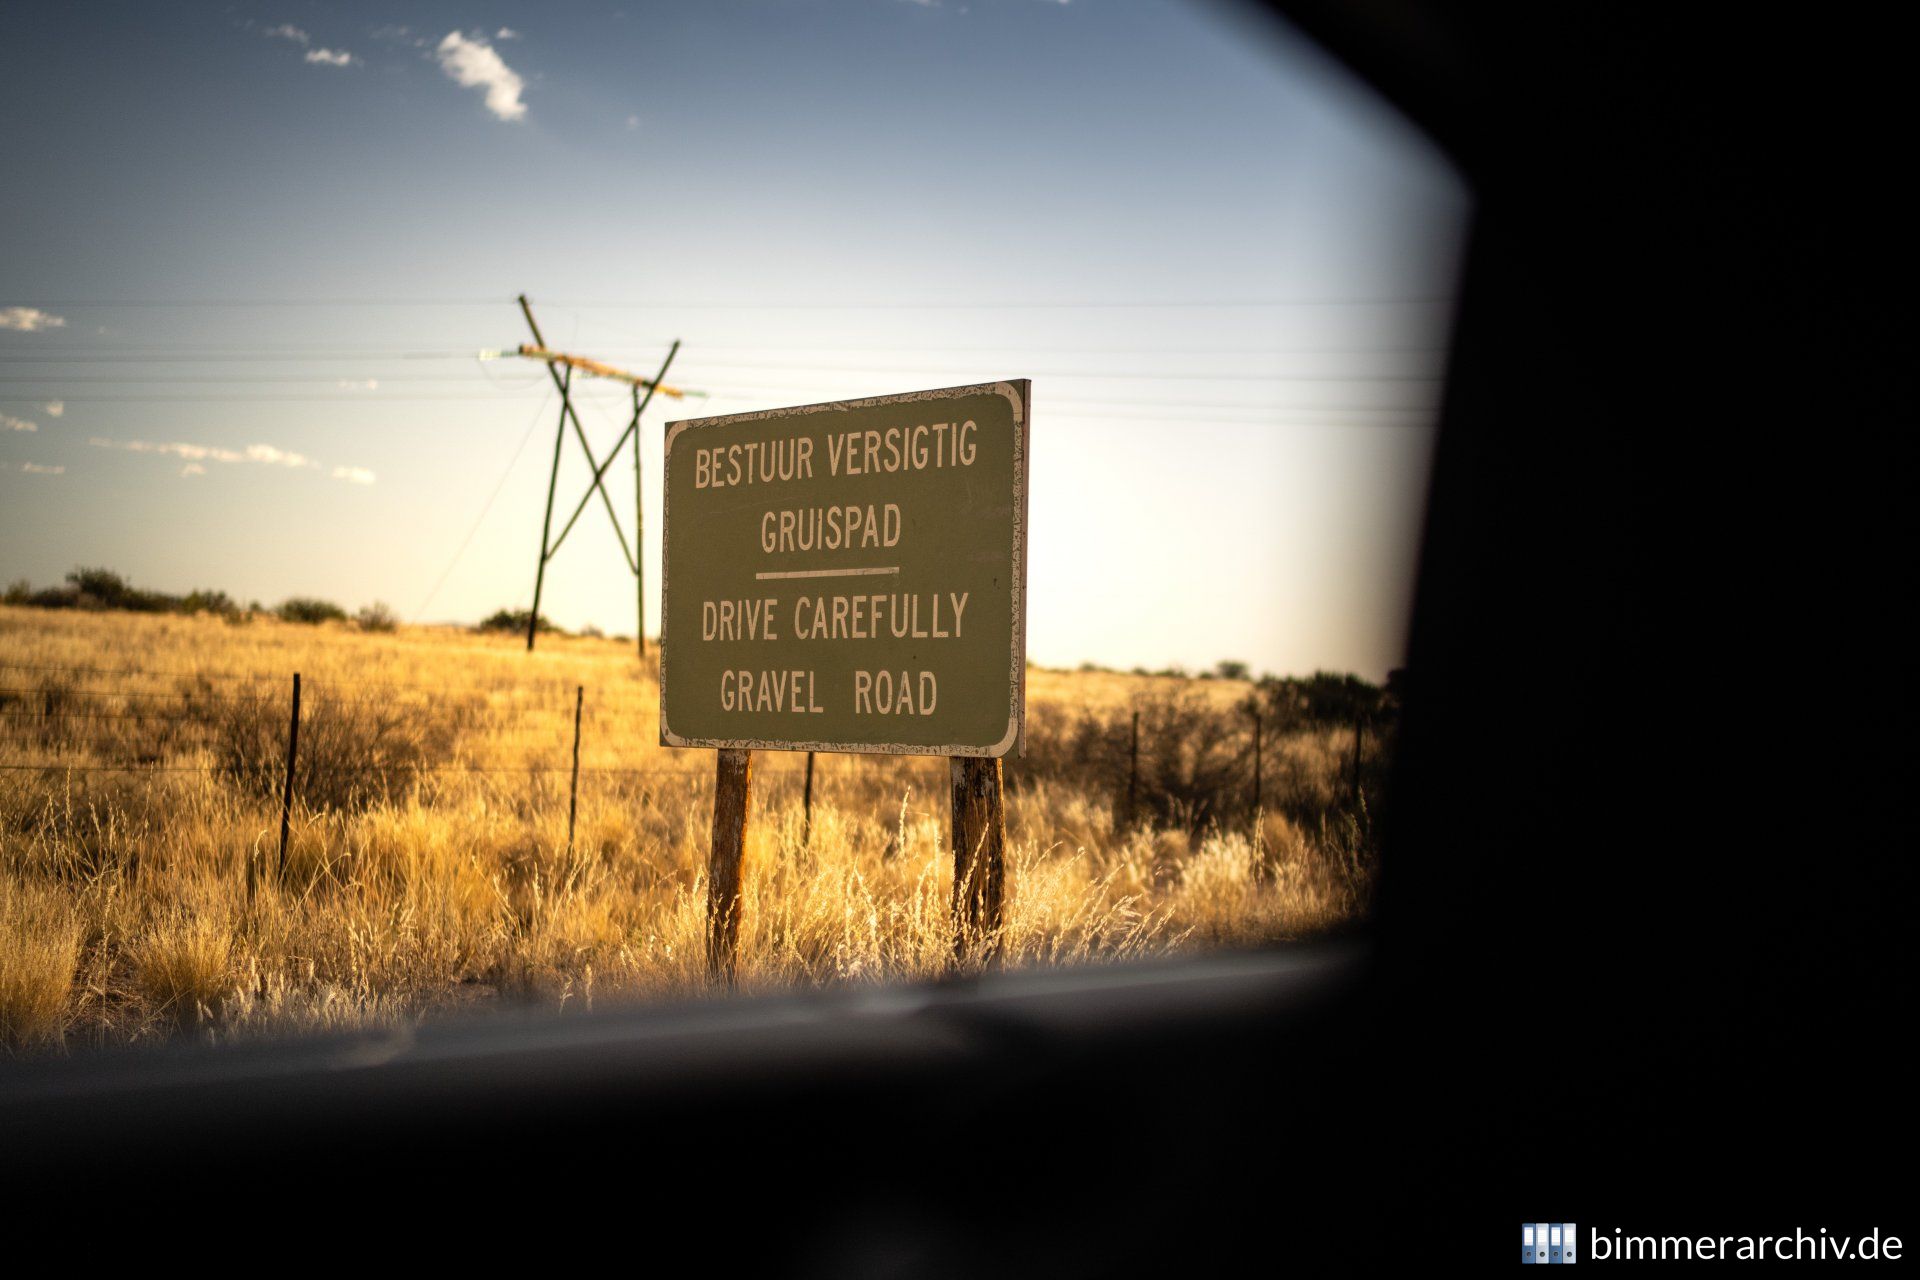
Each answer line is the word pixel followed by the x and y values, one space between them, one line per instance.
pixel 561 368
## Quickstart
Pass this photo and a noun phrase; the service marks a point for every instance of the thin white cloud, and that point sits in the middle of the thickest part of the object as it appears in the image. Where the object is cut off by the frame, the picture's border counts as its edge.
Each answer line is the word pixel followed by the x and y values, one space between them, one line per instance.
pixel 176 448
pixel 35 469
pixel 506 33
pixel 55 408
pixel 473 64
pixel 12 423
pixel 196 456
pixel 287 31
pixel 364 384
pixel 330 57
pixel 29 319
pixel 265 455
pixel 633 122
pixel 277 457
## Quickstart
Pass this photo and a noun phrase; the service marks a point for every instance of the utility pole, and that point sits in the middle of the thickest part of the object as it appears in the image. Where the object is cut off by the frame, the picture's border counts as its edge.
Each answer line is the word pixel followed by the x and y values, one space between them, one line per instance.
pixel 546 527
pixel 556 362
pixel 640 532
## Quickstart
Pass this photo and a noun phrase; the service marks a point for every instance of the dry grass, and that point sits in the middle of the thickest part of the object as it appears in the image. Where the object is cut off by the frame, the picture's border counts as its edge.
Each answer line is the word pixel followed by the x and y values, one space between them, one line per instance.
pixel 39 951
pixel 142 904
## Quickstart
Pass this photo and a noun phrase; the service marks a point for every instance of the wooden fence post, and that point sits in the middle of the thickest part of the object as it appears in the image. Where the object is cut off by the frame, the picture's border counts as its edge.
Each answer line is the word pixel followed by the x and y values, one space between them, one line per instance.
pixel 1359 732
pixel 1256 767
pixel 286 798
pixel 806 805
pixel 1133 768
pixel 979 856
pixel 732 793
pixel 573 798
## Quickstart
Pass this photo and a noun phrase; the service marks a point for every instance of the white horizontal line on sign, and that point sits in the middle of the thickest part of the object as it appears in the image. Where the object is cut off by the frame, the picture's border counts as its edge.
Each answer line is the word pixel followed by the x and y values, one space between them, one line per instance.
pixel 829 573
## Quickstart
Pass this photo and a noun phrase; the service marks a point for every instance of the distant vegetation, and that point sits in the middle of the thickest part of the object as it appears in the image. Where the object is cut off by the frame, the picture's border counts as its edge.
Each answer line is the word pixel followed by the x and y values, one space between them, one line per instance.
pixel 309 610
pixel 1193 766
pixel 514 621
pixel 377 617
pixel 103 589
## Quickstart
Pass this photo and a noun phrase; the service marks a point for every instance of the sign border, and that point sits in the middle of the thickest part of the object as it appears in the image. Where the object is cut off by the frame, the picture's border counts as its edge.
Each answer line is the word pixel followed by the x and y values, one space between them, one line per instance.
pixel 1019 392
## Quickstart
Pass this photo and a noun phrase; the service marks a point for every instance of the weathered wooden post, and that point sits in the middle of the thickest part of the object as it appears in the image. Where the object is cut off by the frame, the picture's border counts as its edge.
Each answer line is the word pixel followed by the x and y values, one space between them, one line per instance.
pixel 732 799
pixel 286 797
pixel 806 805
pixel 979 857
pixel 1256 766
pixel 1359 736
pixel 573 794
pixel 1133 768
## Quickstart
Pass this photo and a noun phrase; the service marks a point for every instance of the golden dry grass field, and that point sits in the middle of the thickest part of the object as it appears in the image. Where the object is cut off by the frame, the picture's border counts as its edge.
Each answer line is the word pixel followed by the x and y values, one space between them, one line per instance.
pixel 142 756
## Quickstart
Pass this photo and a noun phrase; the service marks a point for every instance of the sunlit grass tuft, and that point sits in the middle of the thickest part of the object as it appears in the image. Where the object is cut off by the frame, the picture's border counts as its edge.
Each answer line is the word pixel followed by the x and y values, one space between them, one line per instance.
pixel 183 965
pixel 39 948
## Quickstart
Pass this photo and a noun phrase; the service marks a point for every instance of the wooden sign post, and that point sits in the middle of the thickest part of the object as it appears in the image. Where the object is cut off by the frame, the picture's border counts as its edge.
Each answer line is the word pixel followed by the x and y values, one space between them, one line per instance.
pixel 726 863
pixel 851 577
pixel 979 857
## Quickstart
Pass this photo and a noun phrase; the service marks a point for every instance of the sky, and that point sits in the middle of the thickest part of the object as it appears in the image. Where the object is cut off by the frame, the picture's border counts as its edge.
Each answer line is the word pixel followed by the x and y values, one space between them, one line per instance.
pixel 254 254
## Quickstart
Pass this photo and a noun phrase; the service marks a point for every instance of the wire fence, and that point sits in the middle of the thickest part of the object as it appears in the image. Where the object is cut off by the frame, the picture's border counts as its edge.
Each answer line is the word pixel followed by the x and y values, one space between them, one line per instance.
pixel 1182 761
pixel 75 711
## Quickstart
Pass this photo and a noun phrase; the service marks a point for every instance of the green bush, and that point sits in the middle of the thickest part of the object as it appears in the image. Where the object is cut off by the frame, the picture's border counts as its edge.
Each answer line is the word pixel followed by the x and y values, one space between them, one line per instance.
pixel 377 617
pixel 218 603
pixel 515 621
pixel 307 609
pixel 1321 700
pixel 94 588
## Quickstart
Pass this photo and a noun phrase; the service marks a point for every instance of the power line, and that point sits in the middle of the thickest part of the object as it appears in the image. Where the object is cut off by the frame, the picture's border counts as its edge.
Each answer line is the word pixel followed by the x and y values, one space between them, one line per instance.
pixel 130 355
pixel 1265 412
pixel 730 390
pixel 561 684
pixel 465 542
pixel 260 302
pixel 1105 375
pixel 89 379
pixel 690 305
pixel 337 397
pixel 225 354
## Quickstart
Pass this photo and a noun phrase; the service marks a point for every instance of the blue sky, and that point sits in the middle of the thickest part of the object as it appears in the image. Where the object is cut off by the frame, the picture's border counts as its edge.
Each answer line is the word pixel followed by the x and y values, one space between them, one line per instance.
pixel 1224 266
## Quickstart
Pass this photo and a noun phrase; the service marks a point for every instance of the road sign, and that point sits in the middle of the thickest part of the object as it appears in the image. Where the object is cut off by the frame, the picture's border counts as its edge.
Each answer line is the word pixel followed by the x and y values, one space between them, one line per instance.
pixel 849 576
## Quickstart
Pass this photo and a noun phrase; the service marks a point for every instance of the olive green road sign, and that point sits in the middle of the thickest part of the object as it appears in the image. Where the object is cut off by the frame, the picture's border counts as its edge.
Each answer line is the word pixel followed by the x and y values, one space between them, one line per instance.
pixel 849 576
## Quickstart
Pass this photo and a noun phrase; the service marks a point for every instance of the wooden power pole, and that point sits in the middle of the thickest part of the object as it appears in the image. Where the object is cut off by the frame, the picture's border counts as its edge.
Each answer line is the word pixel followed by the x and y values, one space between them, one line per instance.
pixel 561 367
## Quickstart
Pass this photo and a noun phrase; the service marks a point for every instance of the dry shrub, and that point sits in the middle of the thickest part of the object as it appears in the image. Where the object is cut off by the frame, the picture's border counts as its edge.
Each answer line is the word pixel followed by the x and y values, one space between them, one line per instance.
pixel 1195 756
pixel 356 748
